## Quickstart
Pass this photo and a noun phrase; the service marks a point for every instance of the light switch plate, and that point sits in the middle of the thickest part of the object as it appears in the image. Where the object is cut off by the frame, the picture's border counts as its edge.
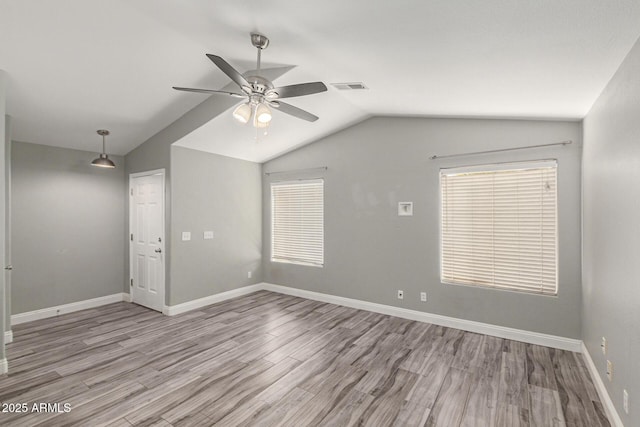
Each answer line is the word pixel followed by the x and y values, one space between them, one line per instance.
pixel 405 208
pixel 208 235
pixel 186 235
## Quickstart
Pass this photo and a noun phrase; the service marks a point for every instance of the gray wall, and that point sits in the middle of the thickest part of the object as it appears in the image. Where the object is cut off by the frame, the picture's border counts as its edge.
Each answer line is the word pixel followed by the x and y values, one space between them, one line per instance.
pixel 611 215
pixel 3 304
pixel 68 227
pixel 7 222
pixel 155 153
pixel 370 252
pixel 223 195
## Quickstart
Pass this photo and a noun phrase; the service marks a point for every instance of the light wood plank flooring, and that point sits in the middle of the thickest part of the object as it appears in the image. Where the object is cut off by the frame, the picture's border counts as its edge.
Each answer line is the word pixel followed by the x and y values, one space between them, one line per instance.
pixel 267 359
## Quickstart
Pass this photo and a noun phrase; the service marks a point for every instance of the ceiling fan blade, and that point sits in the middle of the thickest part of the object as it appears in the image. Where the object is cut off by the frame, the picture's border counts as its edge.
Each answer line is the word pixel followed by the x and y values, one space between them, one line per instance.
pixel 209 91
pixel 229 71
pixel 294 111
pixel 297 90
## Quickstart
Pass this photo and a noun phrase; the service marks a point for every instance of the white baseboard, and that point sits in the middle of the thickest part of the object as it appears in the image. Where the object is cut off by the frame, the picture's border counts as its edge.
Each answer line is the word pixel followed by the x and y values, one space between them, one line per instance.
pixel 44 313
pixel 172 310
pixel 8 337
pixel 420 316
pixel 607 403
pixel 466 325
pixel 4 367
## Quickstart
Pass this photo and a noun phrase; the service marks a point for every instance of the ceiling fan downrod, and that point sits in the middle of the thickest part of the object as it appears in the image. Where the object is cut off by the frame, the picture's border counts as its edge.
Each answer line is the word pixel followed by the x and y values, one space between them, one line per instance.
pixel 260 42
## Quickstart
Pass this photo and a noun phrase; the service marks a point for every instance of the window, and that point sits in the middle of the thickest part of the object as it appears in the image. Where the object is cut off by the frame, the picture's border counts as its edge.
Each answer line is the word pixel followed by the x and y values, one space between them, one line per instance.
pixel 499 226
pixel 297 222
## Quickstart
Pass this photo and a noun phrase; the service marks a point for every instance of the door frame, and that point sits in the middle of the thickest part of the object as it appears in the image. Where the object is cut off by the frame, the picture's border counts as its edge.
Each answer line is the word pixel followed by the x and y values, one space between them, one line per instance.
pixel 132 176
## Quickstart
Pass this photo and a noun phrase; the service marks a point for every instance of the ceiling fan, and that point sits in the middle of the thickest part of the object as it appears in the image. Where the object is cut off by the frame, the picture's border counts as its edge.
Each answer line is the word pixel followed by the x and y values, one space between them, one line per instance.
pixel 259 92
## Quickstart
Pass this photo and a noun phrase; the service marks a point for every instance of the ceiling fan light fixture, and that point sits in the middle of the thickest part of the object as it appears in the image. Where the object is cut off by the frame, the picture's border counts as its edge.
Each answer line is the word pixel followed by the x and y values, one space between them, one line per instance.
pixel 242 113
pixel 260 91
pixel 258 124
pixel 263 114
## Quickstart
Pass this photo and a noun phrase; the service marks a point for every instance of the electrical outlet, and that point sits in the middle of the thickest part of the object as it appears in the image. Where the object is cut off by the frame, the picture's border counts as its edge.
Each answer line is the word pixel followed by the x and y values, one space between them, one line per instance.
pixel 603 345
pixel 625 401
pixel 249 274
pixel 423 296
pixel 400 294
pixel 186 235
pixel 609 370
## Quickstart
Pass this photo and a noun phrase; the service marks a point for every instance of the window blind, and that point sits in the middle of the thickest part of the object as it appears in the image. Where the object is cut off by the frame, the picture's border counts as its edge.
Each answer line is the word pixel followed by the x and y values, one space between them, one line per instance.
pixel 499 227
pixel 298 222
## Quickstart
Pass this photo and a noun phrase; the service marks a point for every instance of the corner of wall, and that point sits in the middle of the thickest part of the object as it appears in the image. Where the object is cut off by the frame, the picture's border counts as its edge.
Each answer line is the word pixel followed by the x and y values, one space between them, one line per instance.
pixel 610 247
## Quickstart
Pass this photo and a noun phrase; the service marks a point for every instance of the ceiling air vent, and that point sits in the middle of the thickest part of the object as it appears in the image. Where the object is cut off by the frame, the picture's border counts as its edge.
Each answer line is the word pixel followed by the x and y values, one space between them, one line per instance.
pixel 349 86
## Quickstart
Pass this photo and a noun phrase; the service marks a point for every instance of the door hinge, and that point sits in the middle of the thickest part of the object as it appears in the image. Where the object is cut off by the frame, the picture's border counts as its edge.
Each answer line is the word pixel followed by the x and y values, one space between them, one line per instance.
pixel 131 191
pixel 132 237
pixel 131 282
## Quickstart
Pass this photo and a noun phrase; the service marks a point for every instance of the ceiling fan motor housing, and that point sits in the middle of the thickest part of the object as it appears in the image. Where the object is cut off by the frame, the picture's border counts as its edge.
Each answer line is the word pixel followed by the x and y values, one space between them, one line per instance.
pixel 259 84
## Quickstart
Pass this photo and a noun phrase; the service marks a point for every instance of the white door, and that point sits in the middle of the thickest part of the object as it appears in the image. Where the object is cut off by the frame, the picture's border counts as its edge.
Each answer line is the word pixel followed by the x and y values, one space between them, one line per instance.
pixel 147 239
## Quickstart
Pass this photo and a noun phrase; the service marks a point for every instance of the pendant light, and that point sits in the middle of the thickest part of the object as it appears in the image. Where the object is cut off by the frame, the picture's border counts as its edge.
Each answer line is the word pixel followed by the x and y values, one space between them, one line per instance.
pixel 103 161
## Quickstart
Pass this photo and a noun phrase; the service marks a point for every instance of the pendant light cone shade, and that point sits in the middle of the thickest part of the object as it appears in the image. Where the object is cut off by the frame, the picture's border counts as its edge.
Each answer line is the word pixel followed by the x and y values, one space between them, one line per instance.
pixel 103 161
pixel 242 113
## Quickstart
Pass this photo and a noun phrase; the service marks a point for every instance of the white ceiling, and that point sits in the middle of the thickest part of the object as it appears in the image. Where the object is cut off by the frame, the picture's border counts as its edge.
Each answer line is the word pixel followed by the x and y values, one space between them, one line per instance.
pixel 75 66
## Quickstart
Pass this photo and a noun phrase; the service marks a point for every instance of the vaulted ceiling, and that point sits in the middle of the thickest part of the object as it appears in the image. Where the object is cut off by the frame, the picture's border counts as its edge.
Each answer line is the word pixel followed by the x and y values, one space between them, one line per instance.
pixel 75 66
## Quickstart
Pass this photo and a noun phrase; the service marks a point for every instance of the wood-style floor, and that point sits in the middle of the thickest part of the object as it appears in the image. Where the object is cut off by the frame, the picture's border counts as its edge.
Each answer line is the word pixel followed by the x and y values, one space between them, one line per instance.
pixel 267 359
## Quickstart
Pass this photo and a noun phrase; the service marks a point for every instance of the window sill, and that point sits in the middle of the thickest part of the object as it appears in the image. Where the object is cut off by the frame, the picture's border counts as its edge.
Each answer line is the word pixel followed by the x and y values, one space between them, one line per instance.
pixel 306 264
pixel 497 288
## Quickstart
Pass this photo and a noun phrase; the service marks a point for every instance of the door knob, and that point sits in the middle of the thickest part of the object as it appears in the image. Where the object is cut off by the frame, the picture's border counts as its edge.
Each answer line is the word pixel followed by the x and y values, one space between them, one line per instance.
pixel 158 250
